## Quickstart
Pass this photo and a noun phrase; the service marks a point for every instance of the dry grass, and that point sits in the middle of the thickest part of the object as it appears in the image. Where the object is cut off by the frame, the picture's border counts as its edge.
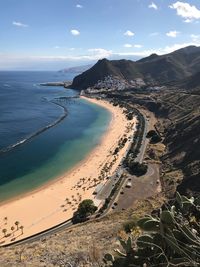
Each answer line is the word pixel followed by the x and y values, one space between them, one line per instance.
pixel 82 245
pixel 170 181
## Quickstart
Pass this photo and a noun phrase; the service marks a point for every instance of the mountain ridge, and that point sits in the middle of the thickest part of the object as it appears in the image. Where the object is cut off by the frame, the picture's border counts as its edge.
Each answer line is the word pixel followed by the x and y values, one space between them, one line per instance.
pixel 154 70
pixel 76 69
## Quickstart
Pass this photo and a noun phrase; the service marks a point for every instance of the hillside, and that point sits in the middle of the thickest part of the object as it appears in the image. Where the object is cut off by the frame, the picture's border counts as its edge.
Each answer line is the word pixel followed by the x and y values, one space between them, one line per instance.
pixel 192 83
pixel 81 246
pixel 154 70
pixel 77 69
pixel 177 109
pixel 178 115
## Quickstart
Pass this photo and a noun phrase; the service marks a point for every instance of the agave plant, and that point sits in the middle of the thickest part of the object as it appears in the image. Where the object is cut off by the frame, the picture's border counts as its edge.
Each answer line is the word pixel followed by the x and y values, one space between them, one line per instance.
pixel 172 238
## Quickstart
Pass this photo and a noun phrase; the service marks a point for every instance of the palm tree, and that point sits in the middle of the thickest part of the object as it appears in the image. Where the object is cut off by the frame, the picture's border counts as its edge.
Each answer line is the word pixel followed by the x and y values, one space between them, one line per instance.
pixel 12 229
pixel 6 220
pixel 4 231
pixel 17 224
pixel 22 228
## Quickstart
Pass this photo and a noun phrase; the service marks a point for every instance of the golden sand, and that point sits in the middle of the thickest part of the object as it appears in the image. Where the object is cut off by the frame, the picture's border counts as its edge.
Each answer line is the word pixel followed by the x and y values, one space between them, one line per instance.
pixel 56 201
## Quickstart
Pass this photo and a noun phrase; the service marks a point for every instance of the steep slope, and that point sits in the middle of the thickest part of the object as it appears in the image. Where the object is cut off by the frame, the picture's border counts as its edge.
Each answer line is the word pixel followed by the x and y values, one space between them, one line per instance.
pixel 179 122
pixel 192 83
pixel 174 66
pixel 103 68
pixel 154 70
pixel 98 72
pixel 182 136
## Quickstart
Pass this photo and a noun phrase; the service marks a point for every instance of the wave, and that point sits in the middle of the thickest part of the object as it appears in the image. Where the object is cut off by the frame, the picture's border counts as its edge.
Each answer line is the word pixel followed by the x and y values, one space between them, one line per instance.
pixel 19 143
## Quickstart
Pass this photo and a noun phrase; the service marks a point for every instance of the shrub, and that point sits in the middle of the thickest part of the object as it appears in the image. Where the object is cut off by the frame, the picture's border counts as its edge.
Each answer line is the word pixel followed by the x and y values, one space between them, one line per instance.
pixel 155 139
pixel 129 116
pixel 85 209
pixel 137 168
pixel 154 136
pixel 129 225
pixel 151 133
pixel 170 238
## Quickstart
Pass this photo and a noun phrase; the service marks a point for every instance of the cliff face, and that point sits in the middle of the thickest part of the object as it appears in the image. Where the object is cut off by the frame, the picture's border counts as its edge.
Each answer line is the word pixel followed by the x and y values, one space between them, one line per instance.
pixel 154 70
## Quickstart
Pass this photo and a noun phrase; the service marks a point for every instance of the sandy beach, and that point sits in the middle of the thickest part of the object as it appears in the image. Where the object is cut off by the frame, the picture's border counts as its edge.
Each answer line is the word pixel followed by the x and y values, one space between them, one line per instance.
pixel 58 200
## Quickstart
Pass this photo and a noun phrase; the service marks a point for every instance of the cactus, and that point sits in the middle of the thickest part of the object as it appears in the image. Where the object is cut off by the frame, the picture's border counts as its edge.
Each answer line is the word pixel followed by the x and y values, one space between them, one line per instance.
pixel 108 258
pixel 170 239
pixel 127 246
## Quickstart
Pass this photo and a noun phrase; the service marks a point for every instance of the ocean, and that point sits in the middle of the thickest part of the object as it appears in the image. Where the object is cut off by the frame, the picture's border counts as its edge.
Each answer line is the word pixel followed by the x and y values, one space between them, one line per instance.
pixel 44 131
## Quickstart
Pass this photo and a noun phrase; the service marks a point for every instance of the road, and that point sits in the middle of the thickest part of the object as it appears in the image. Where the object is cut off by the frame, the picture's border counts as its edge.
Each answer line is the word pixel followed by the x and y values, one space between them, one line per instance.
pixel 145 141
pixel 141 188
pixel 106 191
pixel 45 233
pixel 103 194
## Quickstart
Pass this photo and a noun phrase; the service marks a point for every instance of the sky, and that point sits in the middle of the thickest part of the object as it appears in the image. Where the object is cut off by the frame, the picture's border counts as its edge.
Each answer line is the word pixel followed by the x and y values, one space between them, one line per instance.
pixel 56 34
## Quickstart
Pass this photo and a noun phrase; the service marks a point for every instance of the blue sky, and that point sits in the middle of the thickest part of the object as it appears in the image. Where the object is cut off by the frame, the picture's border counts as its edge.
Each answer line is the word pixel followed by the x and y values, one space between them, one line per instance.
pixel 52 34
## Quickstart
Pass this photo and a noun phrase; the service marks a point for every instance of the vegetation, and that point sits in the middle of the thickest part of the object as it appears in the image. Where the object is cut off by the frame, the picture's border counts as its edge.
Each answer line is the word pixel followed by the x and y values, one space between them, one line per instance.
pixel 85 209
pixel 129 116
pixel 108 199
pixel 17 224
pixel 129 225
pixel 154 136
pixel 170 238
pixel 151 133
pixel 137 168
pixel 138 136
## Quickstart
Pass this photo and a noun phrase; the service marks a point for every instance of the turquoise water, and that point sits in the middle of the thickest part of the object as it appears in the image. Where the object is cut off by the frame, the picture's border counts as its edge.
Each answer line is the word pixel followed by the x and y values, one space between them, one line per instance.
pixel 55 151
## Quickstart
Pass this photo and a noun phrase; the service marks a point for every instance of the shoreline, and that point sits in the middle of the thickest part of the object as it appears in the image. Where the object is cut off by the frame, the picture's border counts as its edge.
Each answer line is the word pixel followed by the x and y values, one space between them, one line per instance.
pixel 57 200
pixel 60 177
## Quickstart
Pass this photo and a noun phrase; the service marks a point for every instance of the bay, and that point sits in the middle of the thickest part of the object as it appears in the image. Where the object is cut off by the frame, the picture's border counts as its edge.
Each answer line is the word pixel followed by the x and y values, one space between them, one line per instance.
pixel 25 108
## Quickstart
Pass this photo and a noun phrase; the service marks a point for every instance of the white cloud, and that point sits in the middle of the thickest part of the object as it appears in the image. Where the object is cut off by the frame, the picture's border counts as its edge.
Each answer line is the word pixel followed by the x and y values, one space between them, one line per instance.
pixel 195 37
pixel 79 6
pixel 159 51
pixel 169 49
pixel 172 34
pixel 19 61
pixel 128 45
pixel 153 5
pixel 90 55
pixel 188 20
pixel 98 53
pixel 56 47
pixel 19 24
pixel 154 34
pixel 129 33
pixel 132 46
pixel 138 46
pixel 186 11
pixel 75 32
